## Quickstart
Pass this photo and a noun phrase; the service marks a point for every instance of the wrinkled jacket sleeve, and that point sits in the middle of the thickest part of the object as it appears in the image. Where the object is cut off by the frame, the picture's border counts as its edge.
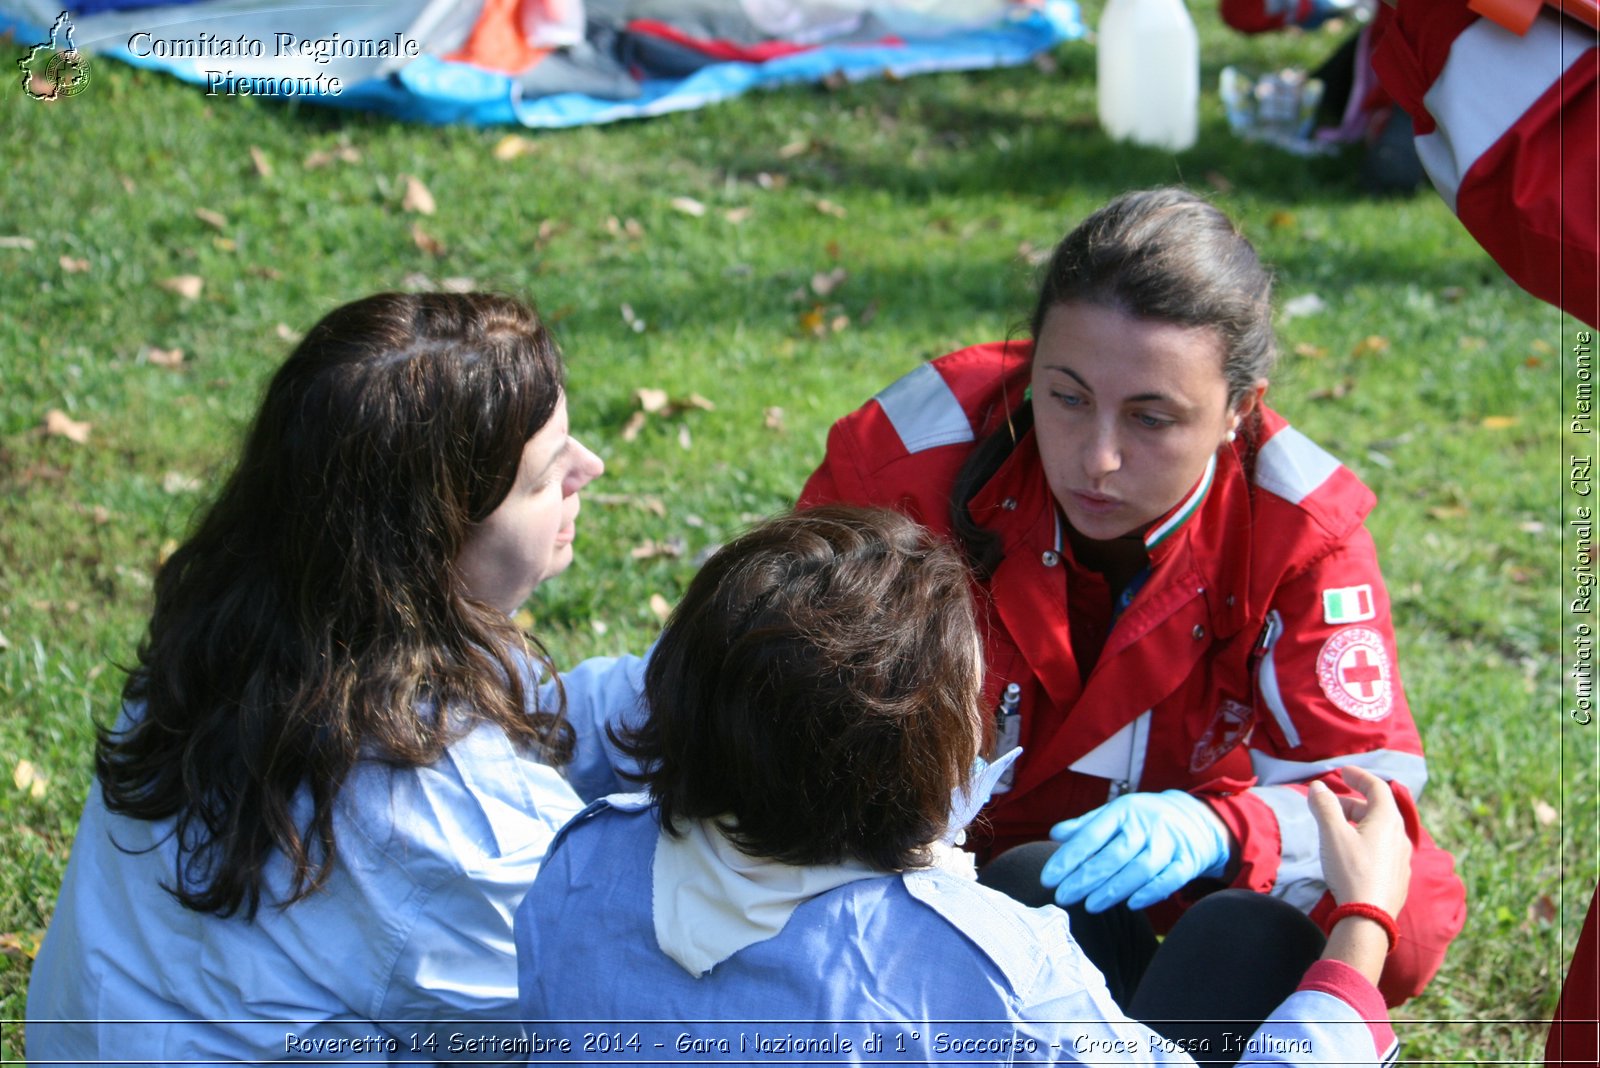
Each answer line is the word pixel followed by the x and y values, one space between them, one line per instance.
pixel 601 692
pixel 1506 128
pixel 1303 733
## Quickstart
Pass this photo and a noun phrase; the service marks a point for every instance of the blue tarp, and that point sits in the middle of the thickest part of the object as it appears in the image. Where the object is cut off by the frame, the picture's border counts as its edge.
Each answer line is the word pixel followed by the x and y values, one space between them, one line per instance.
pixel 433 90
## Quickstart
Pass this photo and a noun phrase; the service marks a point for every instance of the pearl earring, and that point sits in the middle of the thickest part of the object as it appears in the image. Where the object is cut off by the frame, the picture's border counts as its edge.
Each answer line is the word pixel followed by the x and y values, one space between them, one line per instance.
pixel 1233 435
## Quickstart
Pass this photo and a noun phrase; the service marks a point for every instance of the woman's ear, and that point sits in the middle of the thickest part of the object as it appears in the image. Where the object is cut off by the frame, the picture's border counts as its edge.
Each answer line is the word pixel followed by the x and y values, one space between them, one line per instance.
pixel 1247 403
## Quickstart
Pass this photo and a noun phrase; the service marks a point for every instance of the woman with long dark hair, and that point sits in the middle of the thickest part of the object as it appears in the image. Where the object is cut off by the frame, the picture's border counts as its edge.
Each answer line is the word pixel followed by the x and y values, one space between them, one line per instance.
pixel 336 771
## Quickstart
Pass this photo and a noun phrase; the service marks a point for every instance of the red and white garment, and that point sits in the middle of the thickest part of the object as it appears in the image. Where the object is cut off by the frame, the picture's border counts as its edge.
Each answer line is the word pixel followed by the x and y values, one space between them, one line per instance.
pixel 1508 128
pixel 1259 654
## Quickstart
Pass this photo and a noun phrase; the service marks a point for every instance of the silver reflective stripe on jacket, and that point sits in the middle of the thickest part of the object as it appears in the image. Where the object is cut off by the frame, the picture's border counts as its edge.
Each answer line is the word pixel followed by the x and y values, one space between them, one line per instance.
pixel 924 411
pixel 1407 769
pixel 1292 465
pixel 1300 865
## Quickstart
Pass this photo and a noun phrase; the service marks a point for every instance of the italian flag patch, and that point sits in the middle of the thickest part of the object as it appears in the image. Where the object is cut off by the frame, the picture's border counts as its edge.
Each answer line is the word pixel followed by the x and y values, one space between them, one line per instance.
pixel 1352 604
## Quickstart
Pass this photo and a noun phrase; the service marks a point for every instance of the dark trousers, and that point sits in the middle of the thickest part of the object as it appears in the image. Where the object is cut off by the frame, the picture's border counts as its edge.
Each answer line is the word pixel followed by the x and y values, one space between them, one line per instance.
pixel 1232 958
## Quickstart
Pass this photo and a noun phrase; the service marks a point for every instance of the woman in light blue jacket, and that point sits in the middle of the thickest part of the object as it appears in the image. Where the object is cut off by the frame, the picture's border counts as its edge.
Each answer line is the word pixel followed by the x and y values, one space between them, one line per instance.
pixel 335 774
pixel 789 888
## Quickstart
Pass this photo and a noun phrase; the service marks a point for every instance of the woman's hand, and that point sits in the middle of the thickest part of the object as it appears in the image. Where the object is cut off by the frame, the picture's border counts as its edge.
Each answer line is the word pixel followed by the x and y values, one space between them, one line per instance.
pixel 1368 863
pixel 1371 861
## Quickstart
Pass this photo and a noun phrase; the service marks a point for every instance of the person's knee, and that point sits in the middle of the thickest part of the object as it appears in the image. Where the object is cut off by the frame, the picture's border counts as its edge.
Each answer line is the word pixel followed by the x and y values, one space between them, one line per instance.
pixel 1015 873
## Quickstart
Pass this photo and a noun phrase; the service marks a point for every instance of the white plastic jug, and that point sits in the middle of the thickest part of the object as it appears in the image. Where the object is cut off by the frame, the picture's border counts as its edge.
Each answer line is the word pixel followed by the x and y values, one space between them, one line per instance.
pixel 1149 73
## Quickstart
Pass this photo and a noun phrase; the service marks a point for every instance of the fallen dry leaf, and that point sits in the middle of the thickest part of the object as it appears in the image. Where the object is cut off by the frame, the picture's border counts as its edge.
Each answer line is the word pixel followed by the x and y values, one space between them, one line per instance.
pixel 814 322
pixel 771 182
pixel 650 549
pixel 26 777
pixel 17 241
pixel 283 331
pixel 1542 910
pixel 1545 813
pixel 828 207
pixel 74 266
pixel 59 424
pixel 825 282
pixel 176 482
pixel 798 147
pixel 1542 346
pixel 736 215
pixel 688 205
pixel 1032 255
pixel 21 945
pixel 258 160
pixel 654 505
pixel 1371 345
pixel 1335 392
pixel 101 515
pixel 659 605
pixel 627 228
pixel 214 219
pixel 1281 220
pixel 127 184
pixel 1310 351
pixel 1449 511
pixel 1499 422
pixel 426 241
pixel 456 284
pixel 513 146
pixel 324 156
pixel 773 418
pixel 635 423
pixel 168 358
pixel 417 198
pixel 651 400
pixel 187 286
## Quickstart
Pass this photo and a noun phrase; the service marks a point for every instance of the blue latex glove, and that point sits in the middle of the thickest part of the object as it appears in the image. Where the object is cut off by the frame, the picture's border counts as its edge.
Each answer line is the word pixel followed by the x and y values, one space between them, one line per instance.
pixel 1139 848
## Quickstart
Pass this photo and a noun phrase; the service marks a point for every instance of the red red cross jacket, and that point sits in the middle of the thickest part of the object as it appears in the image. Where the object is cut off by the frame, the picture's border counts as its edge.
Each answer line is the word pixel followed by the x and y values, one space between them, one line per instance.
pixel 1257 656
pixel 1506 129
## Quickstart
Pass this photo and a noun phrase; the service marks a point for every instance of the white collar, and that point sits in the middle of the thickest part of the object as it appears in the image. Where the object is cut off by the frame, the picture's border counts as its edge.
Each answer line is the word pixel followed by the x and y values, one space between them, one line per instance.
pixel 709 899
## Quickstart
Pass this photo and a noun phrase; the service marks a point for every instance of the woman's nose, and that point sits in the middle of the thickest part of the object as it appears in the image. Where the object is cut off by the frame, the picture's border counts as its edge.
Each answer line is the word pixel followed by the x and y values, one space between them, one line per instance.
pixel 1102 454
pixel 586 467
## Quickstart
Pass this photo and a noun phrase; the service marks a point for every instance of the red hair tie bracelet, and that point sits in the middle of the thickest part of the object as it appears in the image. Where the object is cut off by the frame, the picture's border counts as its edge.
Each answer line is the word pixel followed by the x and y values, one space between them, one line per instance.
pixel 1367 912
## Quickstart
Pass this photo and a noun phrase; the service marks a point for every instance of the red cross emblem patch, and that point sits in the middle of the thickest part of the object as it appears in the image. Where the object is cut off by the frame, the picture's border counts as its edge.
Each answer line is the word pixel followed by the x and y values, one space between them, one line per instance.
pixel 1355 673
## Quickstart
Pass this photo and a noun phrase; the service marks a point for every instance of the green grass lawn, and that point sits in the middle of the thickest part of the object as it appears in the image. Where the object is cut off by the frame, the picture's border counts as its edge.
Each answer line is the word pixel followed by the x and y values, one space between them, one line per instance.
pixel 1429 374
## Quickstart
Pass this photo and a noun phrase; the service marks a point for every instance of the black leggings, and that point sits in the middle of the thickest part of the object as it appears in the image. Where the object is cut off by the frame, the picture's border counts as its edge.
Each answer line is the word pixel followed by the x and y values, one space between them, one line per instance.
pixel 1232 958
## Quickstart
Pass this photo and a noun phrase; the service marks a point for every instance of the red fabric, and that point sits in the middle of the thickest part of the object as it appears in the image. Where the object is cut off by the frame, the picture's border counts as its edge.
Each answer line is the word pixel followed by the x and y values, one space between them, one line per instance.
pixel 715 48
pixel 1532 200
pixel 497 41
pixel 1574 1037
pixel 1186 648
pixel 1253 16
pixel 1337 978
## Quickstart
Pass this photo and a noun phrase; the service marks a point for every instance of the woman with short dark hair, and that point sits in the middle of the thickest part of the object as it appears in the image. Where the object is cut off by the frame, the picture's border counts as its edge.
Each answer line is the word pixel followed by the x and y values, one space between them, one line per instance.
pixel 335 773
pixel 809 748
